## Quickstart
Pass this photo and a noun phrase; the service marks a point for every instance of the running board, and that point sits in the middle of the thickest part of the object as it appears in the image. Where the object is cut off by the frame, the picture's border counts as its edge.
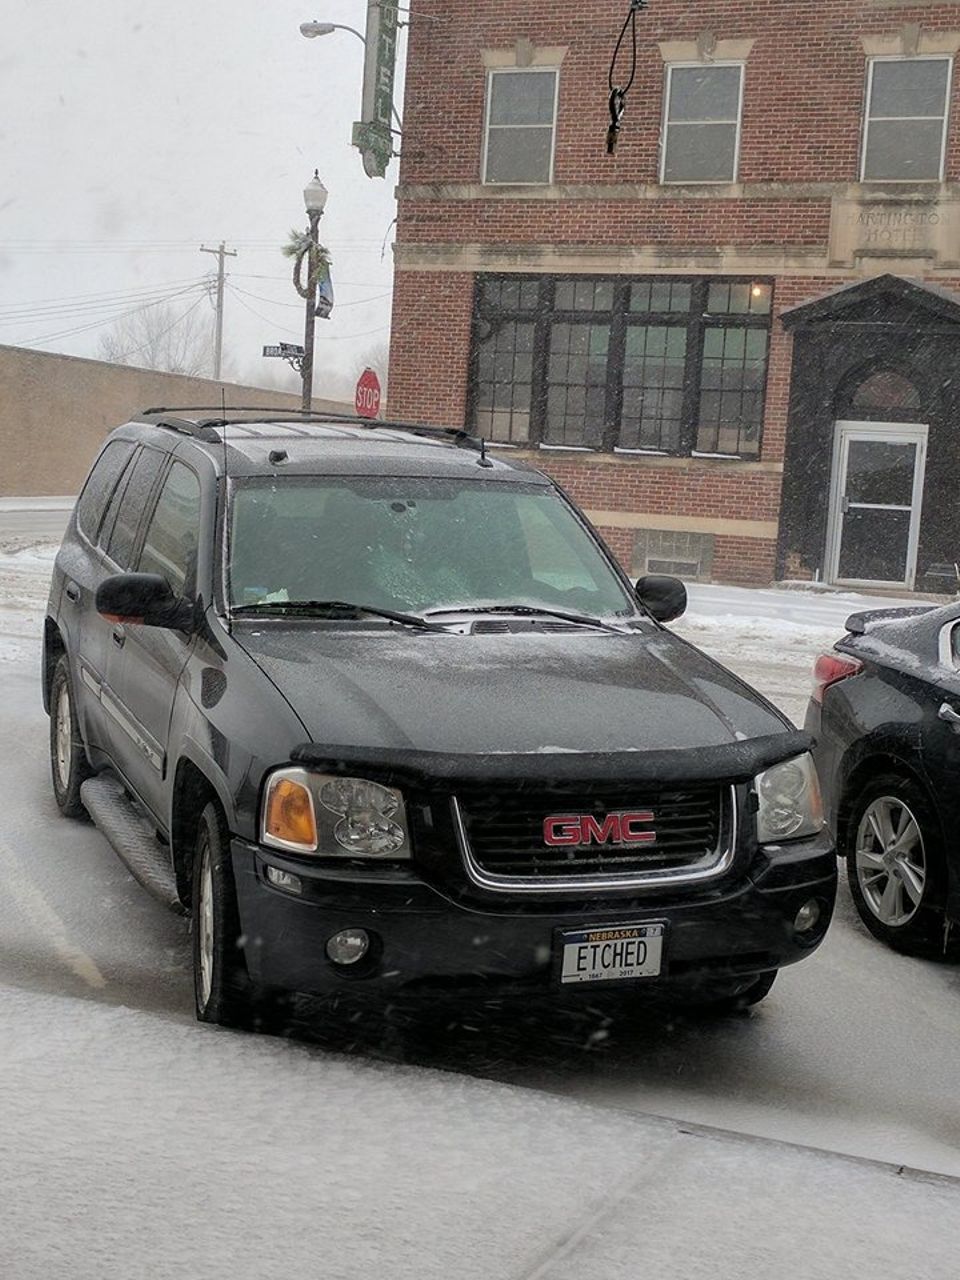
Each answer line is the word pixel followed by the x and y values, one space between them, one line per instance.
pixel 132 837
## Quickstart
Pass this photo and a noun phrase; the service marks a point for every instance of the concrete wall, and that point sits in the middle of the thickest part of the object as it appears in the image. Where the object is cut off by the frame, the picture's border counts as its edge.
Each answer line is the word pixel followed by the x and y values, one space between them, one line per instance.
pixel 55 410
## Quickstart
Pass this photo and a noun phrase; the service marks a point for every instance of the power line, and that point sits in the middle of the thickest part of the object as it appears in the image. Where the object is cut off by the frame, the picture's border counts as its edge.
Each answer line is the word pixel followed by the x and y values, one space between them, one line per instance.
pixel 100 295
pixel 79 311
pixel 339 337
pixel 80 248
pixel 274 302
pixel 99 324
pixel 350 284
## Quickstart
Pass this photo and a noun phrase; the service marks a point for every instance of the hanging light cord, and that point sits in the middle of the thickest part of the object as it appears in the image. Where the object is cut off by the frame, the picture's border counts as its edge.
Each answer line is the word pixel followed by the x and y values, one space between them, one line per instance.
pixel 618 93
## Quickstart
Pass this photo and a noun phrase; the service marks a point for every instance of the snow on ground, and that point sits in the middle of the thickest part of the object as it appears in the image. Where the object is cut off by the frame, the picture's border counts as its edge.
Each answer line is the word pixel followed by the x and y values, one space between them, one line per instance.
pixel 163 1149
pixel 24 583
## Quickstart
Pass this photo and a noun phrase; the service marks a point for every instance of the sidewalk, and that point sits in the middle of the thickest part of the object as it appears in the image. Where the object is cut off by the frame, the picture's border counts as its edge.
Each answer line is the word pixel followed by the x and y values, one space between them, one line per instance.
pixel 25 521
pixel 139 1144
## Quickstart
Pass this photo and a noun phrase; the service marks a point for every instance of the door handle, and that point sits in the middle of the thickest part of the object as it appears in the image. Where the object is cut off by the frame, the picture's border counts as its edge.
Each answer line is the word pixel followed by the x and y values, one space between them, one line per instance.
pixel 119 637
pixel 72 592
pixel 947 713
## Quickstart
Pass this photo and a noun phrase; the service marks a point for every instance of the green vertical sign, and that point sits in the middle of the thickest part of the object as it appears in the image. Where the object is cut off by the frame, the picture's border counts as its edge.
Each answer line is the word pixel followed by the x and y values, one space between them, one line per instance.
pixel 373 134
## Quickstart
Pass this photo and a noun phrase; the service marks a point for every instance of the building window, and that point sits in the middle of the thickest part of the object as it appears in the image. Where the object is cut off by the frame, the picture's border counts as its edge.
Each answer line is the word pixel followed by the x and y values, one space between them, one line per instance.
pixel 701 127
pixel 654 367
pixel 731 390
pixel 904 134
pixel 503 361
pixel 643 366
pixel 577 384
pixel 521 115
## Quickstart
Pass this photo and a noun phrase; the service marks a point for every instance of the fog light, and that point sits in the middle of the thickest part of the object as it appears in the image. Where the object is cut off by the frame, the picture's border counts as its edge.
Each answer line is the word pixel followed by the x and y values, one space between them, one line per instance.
pixel 284 880
pixel 807 917
pixel 348 946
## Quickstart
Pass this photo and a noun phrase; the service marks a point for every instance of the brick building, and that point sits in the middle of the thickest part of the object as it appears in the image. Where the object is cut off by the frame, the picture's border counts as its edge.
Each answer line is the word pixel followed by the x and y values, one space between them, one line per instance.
pixel 735 342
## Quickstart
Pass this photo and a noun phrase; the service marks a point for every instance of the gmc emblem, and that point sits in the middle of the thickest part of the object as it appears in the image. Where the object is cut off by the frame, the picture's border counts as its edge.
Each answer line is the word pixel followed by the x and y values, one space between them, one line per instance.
pixel 615 828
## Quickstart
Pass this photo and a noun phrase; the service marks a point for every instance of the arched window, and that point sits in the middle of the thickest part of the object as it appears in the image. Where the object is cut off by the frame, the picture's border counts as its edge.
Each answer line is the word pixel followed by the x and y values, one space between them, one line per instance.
pixel 884 390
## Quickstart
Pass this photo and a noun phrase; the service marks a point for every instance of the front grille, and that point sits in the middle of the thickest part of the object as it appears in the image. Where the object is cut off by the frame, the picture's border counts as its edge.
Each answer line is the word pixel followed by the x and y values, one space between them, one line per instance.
pixel 503 833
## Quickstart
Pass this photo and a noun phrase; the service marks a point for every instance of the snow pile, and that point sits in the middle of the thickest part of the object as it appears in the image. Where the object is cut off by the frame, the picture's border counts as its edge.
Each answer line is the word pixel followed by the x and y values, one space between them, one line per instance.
pixel 24 584
pixel 135 1145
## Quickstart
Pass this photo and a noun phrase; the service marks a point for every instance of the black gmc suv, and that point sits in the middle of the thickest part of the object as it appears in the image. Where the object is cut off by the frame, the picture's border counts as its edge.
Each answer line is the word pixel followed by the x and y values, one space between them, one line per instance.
pixel 382 713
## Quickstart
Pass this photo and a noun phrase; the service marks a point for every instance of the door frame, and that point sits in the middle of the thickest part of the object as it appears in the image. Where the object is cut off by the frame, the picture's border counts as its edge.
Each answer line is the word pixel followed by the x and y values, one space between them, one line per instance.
pixel 894 433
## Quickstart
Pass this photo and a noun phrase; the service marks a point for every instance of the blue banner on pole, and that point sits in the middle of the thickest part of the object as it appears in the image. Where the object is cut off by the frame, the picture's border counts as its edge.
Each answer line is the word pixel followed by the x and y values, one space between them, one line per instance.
pixel 324 307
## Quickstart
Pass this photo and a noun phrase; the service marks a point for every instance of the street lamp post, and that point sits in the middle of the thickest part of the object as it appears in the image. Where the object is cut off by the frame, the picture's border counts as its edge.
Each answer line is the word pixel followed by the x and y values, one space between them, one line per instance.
pixel 311 30
pixel 314 199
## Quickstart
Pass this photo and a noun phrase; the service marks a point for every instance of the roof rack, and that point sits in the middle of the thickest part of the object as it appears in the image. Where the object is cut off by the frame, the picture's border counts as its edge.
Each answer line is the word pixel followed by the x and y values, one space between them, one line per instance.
pixel 169 418
pixel 201 428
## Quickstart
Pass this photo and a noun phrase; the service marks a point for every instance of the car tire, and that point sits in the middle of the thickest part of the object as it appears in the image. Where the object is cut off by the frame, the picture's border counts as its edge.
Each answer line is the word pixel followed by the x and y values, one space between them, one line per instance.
pixel 736 1001
pixel 224 993
pixel 896 866
pixel 69 767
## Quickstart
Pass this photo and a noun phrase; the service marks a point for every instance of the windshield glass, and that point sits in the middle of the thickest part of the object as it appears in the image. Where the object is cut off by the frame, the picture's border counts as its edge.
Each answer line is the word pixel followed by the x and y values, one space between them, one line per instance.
pixel 415 544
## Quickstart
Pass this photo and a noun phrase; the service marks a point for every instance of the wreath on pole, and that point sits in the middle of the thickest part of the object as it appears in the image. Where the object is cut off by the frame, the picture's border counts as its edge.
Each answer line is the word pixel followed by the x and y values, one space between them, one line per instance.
pixel 298 248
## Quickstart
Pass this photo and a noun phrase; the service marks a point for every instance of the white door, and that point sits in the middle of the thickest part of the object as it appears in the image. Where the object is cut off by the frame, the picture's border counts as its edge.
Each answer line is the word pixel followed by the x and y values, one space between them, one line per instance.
pixel 875 500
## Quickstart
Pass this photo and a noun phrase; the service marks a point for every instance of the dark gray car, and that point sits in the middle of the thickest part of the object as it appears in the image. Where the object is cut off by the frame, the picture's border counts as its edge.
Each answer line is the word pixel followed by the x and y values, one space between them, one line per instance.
pixel 383 713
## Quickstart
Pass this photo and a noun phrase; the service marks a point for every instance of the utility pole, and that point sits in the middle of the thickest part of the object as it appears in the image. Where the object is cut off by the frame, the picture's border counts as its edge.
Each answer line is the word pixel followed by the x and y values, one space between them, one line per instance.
pixel 222 252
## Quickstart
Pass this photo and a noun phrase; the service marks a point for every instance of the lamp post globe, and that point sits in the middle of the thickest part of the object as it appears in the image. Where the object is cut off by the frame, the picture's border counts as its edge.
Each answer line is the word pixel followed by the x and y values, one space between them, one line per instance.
pixel 315 194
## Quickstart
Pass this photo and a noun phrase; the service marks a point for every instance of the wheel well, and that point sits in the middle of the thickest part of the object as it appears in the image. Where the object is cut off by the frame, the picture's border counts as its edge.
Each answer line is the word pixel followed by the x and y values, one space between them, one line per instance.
pixel 192 792
pixel 53 647
pixel 870 767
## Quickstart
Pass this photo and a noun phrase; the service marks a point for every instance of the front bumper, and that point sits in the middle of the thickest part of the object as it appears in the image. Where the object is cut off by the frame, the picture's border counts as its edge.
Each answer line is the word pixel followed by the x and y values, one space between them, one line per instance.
pixel 424 939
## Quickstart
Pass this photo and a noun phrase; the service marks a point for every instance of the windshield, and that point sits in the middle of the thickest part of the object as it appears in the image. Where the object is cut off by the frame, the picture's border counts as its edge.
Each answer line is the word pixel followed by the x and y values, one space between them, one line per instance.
pixel 415 544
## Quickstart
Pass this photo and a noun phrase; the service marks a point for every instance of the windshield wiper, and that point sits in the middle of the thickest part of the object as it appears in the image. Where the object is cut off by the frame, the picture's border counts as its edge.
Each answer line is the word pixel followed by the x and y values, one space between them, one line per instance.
pixel 527 610
pixel 330 609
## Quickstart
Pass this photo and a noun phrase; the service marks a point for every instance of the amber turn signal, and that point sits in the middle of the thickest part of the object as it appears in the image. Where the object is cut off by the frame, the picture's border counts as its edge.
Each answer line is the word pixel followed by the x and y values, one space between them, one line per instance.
pixel 290 815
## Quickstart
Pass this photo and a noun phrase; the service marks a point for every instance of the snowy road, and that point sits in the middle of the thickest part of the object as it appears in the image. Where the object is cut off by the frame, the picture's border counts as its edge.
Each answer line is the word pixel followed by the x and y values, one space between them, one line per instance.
pixel 854 1052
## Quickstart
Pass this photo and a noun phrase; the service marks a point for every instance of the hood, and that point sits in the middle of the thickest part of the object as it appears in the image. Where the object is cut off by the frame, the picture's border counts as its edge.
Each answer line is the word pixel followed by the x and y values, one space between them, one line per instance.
pixel 383 690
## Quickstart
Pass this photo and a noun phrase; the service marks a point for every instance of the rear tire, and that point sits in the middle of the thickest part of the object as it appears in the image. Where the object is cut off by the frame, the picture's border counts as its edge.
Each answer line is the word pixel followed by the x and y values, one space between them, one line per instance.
pixel 69 767
pixel 223 990
pixel 896 867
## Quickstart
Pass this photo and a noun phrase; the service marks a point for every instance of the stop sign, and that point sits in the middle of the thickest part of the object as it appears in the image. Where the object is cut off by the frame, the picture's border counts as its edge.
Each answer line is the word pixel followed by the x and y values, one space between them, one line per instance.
pixel 368 394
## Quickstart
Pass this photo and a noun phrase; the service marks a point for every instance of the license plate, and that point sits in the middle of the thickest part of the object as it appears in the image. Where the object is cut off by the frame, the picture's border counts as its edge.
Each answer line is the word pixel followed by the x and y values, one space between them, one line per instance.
pixel 615 954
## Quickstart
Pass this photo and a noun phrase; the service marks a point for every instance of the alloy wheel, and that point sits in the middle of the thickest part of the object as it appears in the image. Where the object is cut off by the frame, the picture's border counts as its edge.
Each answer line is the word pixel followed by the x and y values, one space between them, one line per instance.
pixel 64 738
pixel 205 923
pixel 891 862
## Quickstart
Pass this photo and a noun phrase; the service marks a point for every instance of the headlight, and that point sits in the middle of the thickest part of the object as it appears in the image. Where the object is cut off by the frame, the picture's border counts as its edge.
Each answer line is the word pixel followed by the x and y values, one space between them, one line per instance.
pixel 790 805
pixel 333 817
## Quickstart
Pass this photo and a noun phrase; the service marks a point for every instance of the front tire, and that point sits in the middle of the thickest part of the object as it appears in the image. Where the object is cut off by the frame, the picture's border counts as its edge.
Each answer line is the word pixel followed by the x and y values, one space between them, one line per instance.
pixel 223 990
pixel 896 867
pixel 69 767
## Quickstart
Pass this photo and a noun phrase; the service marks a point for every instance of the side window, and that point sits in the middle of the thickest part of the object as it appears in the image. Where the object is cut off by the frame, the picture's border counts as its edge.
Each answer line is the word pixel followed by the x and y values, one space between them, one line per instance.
pixel 173 534
pixel 955 645
pixel 701 132
pixel 906 119
pixel 132 505
pixel 100 485
pixel 521 119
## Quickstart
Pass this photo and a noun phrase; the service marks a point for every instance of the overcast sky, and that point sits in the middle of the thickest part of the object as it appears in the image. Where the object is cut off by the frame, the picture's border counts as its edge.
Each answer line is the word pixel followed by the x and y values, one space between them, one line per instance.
pixel 130 134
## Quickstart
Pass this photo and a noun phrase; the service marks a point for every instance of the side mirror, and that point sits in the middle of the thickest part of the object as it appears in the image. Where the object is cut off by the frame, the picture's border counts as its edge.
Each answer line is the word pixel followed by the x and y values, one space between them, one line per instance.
pixel 663 597
pixel 144 598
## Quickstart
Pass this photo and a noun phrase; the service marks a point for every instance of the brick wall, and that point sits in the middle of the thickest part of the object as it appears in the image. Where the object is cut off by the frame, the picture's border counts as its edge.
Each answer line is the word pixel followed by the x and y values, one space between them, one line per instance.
pixel 803 92
pixel 430 346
